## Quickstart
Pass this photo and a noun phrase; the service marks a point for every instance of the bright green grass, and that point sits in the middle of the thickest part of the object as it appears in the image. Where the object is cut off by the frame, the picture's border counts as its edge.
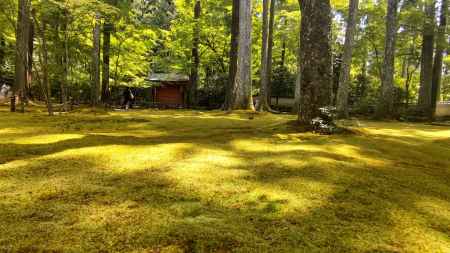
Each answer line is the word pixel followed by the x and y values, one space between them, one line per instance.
pixel 182 181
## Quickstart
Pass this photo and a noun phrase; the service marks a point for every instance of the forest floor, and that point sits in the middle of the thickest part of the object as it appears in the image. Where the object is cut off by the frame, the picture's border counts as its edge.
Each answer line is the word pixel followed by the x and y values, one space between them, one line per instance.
pixel 184 181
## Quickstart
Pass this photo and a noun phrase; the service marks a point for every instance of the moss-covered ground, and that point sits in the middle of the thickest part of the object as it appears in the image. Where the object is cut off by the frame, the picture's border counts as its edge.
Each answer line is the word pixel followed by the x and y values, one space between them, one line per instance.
pixel 186 181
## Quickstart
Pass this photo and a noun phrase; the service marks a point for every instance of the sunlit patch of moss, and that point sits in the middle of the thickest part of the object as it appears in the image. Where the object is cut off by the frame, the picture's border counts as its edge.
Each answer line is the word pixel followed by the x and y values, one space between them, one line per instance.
pixel 407 130
pixel 47 138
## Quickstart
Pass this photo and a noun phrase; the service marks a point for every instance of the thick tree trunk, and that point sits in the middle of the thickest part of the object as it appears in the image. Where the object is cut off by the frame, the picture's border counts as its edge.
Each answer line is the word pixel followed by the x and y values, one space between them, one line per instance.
pixel 107 29
pixel 315 59
pixel 21 61
pixel 344 77
pixel 385 107
pixel 438 59
pixel 96 61
pixel 195 55
pixel 234 45
pixel 241 97
pixel 426 64
pixel 263 98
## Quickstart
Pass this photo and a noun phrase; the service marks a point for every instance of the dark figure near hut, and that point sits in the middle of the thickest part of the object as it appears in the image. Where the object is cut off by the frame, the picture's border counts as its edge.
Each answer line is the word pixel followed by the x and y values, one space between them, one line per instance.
pixel 128 98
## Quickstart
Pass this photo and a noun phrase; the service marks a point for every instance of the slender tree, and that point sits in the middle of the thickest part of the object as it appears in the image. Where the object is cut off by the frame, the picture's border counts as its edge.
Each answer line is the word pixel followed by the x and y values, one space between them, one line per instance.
pixel 108 27
pixel 195 55
pixel 344 77
pixel 315 59
pixel 29 67
pixel 385 107
pixel 297 90
pixel 96 61
pixel 270 51
pixel 65 62
pixel 426 63
pixel 264 57
pixel 438 59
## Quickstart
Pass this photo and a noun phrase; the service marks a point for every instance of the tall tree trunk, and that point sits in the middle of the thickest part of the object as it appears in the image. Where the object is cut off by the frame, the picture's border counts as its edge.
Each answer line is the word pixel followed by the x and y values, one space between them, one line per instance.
pixel 263 98
pixel 234 45
pixel 270 51
pixel 241 97
pixel 27 90
pixel 96 61
pixel 426 64
pixel 21 61
pixel 385 107
pixel 297 90
pixel 107 29
pixel 344 77
pixel 315 58
pixel 440 47
pixel 65 60
pixel 195 55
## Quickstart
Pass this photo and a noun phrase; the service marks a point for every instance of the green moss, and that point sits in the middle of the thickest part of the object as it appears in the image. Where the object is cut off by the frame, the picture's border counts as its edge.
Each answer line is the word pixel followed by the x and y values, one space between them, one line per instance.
pixel 184 181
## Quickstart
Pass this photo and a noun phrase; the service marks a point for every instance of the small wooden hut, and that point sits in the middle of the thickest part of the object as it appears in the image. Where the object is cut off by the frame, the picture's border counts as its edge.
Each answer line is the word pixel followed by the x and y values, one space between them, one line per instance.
pixel 169 89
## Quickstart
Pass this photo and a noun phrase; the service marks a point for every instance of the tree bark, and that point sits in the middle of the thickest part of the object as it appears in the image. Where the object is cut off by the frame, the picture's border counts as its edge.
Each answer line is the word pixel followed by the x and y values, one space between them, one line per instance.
pixel 344 77
pixel 385 107
pixel 234 45
pixel 241 97
pixel 315 59
pixel 438 59
pixel 426 64
pixel 96 61
pixel 21 60
pixel 195 55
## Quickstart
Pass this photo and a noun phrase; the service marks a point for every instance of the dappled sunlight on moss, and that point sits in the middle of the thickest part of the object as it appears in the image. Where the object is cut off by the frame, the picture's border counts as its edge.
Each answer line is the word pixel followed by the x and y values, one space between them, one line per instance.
pixel 186 180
